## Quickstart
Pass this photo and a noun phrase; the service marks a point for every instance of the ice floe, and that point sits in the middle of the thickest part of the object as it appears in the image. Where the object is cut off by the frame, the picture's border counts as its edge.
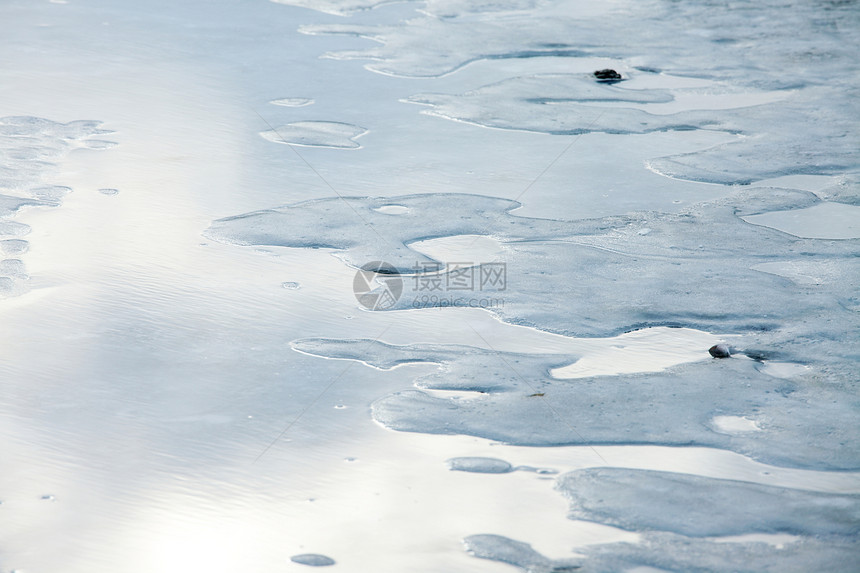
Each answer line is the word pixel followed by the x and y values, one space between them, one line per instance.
pixel 693 268
pixel 802 424
pixel 642 500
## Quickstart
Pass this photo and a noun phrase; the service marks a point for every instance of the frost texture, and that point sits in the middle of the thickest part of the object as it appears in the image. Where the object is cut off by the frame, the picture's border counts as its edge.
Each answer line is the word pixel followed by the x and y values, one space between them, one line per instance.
pixel 30 148
pixel 650 500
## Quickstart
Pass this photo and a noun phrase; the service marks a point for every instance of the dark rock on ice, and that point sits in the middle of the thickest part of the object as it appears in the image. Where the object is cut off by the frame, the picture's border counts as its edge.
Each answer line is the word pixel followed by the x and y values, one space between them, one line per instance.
pixel 608 75
pixel 720 351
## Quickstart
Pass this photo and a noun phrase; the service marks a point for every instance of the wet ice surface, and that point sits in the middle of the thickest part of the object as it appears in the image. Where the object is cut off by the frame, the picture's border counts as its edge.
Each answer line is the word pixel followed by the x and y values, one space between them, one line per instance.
pixel 147 368
pixel 822 221
pixel 317 134
pixel 292 102
pixel 713 285
pixel 30 150
pixel 802 425
pixel 797 135
pixel 667 552
pixel 312 559
pixel 640 500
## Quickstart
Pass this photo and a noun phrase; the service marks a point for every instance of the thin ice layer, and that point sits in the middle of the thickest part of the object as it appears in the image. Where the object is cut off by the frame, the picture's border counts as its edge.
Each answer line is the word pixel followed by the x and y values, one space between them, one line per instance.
pixel 698 506
pixel 795 136
pixel 9 205
pixel 692 268
pixel 30 149
pixel 331 134
pixel 366 231
pixel 668 552
pixel 802 52
pixel 751 44
pixel 803 423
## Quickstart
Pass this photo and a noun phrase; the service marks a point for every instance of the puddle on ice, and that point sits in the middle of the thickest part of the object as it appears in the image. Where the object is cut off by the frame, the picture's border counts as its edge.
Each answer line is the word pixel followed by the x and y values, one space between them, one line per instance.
pixel 462 249
pixel 822 221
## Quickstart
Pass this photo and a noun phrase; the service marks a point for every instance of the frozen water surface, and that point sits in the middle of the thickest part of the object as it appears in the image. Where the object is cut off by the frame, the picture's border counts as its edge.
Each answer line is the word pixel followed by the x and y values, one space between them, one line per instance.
pixel 172 401
pixel 317 134
pixel 646 500
pixel 292 102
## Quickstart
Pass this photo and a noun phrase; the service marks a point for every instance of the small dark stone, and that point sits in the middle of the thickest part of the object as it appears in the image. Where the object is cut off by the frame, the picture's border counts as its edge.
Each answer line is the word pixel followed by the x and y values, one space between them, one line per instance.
pixel 607 75
pixel 720 351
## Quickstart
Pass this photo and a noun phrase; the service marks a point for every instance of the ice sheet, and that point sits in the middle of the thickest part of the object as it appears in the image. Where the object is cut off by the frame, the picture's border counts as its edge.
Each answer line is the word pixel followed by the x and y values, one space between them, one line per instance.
pixel 640 500
pixel 692 269
pixel 30 151
pixel 667 552
pixel 139 387
pixel 803 423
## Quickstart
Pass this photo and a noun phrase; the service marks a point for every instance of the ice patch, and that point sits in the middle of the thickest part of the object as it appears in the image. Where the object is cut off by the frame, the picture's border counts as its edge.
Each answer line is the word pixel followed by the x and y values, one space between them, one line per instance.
pixel 393 209
pixel 30 149
pixel 669 552
pixel 822 221
pixel 778 130
pixel 337 7
pixel 13 229
pixel 52 194
pixel 516 553
pixel 317 134
pixel 14 247
pixel 835 273
pixel 480 465
pixel 697 506
pixel 784 369
pixel 9 205
pixel 292 102
pixel 520 404
pixel 492 466
pixel 799 62
pixel 312 559
pixel 693 269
